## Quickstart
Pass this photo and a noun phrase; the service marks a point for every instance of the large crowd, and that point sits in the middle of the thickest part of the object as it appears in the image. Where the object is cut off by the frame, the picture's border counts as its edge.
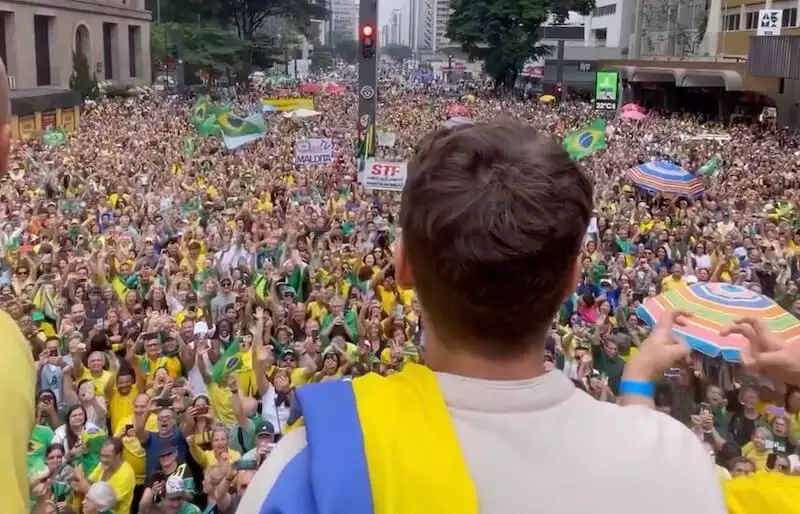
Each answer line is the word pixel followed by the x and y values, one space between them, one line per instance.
pixel 174 299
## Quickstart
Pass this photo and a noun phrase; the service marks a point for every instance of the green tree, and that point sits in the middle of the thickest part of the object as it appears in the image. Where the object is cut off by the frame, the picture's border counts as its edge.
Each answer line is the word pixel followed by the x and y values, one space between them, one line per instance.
pixel 82 79
pixel 346 50
pixel 397 52
pixel 204 45
pixel 160 47
pixel 246 19
pixel 504 32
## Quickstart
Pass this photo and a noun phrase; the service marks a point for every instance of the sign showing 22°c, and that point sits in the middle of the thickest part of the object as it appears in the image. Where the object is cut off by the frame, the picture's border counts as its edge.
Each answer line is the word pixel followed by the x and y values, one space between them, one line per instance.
pixel 606 90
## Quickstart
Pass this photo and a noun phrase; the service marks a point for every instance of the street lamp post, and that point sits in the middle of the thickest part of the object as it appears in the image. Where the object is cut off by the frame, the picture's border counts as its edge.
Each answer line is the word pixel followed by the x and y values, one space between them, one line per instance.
pixel 449 67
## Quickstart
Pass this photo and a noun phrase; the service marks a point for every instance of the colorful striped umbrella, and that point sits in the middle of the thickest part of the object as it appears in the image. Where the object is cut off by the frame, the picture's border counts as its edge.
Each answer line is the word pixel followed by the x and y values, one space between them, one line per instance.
pixel 665 177
pixel 714 306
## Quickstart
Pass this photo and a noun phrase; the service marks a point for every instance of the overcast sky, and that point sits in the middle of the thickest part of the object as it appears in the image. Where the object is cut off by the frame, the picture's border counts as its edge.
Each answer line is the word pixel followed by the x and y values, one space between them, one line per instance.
pixel 385 8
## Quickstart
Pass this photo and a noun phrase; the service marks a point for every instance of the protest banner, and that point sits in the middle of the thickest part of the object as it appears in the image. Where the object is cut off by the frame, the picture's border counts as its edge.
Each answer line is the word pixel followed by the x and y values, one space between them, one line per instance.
pixel 313 151
pixel 287 104
pixel 387 139
pixel 384 175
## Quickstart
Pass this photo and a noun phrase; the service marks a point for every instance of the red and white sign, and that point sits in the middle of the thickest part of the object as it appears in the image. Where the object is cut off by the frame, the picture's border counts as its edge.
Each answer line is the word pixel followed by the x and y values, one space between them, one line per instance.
pixel 384 175
pixel 533 68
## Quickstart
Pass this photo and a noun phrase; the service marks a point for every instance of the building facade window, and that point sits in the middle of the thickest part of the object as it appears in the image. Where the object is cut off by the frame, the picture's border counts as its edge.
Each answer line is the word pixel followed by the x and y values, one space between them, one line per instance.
pixel 109 50
pixel 605 10
pixel 789 17
pixel 751 20
pixel 134 40
pixel 731 22
pixel 41 43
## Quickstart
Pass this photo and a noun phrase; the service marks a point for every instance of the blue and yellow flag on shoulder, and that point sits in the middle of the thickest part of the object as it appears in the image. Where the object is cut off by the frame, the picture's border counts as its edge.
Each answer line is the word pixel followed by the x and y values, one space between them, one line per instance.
pixel 587 140
pixel 353 462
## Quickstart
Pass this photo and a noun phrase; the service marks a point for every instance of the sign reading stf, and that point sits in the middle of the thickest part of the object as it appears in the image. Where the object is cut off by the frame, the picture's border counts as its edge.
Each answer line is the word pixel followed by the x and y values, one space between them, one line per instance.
pixel 384 175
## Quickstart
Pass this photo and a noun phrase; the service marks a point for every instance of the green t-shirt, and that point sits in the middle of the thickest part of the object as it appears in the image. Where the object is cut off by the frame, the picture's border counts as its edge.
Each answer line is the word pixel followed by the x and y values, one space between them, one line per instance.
pixel 247 439
pixel 188 508
pixel 41 436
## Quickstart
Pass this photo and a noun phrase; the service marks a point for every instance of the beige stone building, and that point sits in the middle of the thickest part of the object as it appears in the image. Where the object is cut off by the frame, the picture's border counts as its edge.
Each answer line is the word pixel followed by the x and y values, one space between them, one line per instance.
pixel 37 38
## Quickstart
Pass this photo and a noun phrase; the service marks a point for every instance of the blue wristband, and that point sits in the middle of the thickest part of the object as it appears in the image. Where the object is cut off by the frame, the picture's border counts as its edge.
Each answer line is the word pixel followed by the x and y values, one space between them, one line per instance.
pixel 638 387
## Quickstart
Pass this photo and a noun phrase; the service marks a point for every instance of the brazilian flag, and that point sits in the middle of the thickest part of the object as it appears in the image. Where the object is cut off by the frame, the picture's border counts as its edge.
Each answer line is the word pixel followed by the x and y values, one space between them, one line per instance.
pixel 40 437
pixel 227 363
pixel 233 126
pixel 587 140
pixel 199 112
pixel 237 131
pixel 208 126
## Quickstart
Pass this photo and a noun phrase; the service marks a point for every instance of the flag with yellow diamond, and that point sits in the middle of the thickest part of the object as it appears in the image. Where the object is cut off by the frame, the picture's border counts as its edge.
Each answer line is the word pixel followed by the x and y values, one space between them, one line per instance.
pixel 587 140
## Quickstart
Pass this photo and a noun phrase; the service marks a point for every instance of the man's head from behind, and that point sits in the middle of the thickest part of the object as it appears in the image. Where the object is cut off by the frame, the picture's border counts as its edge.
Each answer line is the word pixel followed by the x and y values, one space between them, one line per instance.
pixel 493 217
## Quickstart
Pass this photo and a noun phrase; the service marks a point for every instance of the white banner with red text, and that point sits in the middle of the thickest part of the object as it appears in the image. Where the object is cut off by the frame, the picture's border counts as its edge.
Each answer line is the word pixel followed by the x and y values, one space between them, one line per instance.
pixel 385 175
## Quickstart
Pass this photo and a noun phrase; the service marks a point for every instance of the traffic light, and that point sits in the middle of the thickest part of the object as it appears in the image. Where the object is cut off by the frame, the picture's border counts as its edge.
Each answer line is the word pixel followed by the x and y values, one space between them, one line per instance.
pixel 368 41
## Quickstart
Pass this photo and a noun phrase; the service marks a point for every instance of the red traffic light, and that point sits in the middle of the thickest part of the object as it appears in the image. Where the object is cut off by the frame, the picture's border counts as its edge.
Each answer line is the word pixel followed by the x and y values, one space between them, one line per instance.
pixel 367 30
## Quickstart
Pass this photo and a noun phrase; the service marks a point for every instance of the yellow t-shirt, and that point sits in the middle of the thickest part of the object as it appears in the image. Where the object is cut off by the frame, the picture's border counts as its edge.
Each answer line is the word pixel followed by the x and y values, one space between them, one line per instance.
pixel 17 380
pixel 120 407
pixel 221 404
pixel 181 315
pixel 99 382
pixel 132 450
pixel 631 353
pixel 669 283
pixel 316 310
pixel 387 297
pixel 199 262
pixel 172 363
pixel 245 375
pixel 299 376
pixel 207 458
pixel 123 481
pixel 759 457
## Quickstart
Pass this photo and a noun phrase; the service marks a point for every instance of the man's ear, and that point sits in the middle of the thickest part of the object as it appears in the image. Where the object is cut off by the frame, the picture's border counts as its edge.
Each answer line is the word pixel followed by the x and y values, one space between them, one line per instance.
pixel 402 267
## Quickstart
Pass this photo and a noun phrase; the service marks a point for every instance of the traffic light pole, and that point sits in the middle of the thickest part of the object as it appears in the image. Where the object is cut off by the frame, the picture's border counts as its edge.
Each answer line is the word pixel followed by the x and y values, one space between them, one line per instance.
pixel 367 81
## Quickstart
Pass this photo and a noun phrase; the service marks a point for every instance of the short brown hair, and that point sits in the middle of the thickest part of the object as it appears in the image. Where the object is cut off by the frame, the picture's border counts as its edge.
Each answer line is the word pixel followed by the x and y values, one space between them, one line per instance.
pixel 493 217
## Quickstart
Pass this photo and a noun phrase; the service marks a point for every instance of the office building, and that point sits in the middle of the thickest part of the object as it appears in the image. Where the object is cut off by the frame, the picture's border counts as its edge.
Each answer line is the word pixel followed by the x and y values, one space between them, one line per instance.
pixel 395 27
pixel 610 24
pixel 421 26
pixel 38 39
pixel 674 28
pixel 441 15
pixel 343 21
pixel 383 35
pixel 725 69
pixel 739 20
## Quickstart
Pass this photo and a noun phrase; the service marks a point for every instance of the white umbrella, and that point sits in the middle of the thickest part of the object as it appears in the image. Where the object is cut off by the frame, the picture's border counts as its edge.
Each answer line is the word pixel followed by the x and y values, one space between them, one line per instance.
pixel 301 113
pixel 457 120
